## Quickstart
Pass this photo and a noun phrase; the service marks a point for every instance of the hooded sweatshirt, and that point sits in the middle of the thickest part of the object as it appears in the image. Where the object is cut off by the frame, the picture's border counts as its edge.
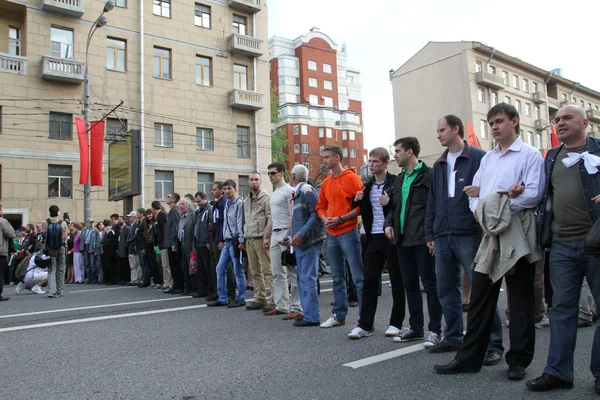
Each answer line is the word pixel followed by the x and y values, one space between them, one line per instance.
pixel 335 199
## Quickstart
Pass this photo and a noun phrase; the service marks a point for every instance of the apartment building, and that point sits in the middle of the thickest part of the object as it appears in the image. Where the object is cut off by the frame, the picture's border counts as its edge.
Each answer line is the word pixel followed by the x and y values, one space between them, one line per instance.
pixel 192 76
pixel 467 79
pixel 320 100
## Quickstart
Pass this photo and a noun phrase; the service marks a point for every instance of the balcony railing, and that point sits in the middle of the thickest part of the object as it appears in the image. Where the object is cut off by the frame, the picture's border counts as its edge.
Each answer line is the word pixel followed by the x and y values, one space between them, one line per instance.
pixel 13 64
pixel 251 6
pixel 593 115
pixel 246 45
pixel 539 97
pixel 62 69
pixel 246 100
pixel 489 80
pixel 73 8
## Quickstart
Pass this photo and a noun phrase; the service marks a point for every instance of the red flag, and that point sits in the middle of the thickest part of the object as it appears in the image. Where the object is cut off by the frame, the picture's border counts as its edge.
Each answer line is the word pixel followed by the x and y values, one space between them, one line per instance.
pixel 472 136
pixel 97 151
pixel 553 141
pixel 83 151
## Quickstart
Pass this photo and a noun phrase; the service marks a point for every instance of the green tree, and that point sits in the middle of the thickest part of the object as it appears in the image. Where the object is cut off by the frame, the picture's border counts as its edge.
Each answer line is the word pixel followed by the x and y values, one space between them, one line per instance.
pixel 278 135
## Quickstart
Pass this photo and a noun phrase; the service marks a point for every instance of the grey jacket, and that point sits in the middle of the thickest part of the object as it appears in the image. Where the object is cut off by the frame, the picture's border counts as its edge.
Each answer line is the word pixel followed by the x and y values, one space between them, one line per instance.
pixel 204 217
pixel 506 237
pixel 94 246
pixel 123 241
pixel 233 226
pixel 8 233
pixel 132 237
pixel 305 221
pixel 185 232
pixel 171 226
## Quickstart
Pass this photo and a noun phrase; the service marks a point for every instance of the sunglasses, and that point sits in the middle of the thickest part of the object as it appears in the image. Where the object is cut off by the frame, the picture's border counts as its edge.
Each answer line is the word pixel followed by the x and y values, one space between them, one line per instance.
pixel 271 173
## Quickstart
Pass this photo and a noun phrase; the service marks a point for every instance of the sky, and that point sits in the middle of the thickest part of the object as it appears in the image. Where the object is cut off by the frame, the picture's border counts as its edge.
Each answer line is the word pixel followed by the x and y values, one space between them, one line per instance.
pixel 383 34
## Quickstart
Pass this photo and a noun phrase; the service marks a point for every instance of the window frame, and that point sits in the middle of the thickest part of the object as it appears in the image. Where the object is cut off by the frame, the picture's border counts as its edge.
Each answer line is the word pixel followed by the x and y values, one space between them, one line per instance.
pixel 160 59
pixel 481 95
pixel 60 178
pixel 116 51
pixel 202 139
pixel 239 75
pixel 352 152
pixel 161 5
pixel 327 83
pixel 352 135
pixel 316 82
pixel 311 62
pixel 163 182
pixel 72 44
pixel 325 69
pixel 202 16
pixel 203 68
pixel 304 130
pixel 162 127
pixel 483 126
pixel 243 146
pixel 516 82
pixel 14 42
pixel 206 184
pixel 239 24
pixel 305 148
pixel 60 127
pixel 122 5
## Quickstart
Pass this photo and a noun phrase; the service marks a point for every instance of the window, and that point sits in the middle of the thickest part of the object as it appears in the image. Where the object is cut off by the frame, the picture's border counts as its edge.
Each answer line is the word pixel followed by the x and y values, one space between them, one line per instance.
pixel 121 3
pixel 162 63
pixel 239 24
pixel 515 81
pixel 574 99
pixel 205 181
pixel 341 73
pixel 307 165
pixel 582 104
pixel 507 99
pixel 163 184
pixel 484 128
pixel 312 82
pixel 481 95
pixel 352 153
pixel 589 106
pixel 296 148
pixel 243 142
pixel 534 87
pixel 526 85
pixel 518 105
pixel 243 186
pixel 115 54
pixel 60 180
pixel 115 128
pixel 240 77
pixel 60 125
pixel 61 43
pixel 530 137
pixel 312 65
pixel 292 98
pixel 288 63
pixel 313 99
pixel 327 68
pixel 328 85
pixel 321 149
pixel 304 130
pixel 342 90
pixel 296 130
pixel 163 135
pixel 538 140
pixel 350 80
pixel 321 132
pixel 345 153
pixel 328 101
pixel 352 135
pixel 505 77
pixel 288 80
pixel 203 68
pixel 14 41
pixel 329 132
pixel 305 148
pixel 162 8
pixel 343 105
pixel 537 112
pixel 492 69
pixel 204 139
pixel 528 109
pixel 478 66
pixel 202 15
pixel 0 131
pixel 344 135
pixel 564 97
pixel 494 98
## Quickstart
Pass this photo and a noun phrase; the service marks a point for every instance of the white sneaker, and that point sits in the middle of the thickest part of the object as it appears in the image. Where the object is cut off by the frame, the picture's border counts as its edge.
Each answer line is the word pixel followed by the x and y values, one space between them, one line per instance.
pixel 37 289
pixel 19 288
pixel 432 340
pixel 358 333
pixel 392 331
pixel 544 323
pixel 331 322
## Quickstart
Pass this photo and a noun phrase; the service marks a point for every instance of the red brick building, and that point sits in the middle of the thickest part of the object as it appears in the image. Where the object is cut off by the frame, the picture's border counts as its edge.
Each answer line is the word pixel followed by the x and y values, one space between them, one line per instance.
pixel 320 100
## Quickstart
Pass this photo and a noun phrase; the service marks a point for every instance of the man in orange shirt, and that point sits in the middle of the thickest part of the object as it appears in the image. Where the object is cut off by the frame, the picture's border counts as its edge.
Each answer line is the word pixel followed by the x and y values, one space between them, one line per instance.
pixel 343 240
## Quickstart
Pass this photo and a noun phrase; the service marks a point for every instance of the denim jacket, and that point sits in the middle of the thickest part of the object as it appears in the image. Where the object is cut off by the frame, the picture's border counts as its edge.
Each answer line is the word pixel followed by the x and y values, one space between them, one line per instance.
pixel 305 221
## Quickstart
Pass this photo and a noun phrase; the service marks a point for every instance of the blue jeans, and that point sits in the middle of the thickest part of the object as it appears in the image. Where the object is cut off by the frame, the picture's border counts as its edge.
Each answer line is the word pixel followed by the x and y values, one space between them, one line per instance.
pixel 568 267
pixel 228 257
pixel 345 246
pixel 450 253
pixel 90 267
pixel 308 273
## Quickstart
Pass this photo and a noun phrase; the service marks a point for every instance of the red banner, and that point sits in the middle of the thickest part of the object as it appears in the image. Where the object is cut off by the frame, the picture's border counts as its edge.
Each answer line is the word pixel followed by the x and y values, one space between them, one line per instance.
pixel 84 161
pixel 472 136
pixel 97 151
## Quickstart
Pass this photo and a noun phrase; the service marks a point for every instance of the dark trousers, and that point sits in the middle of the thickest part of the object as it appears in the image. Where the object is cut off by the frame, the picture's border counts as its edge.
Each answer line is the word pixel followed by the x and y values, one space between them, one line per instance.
pixel 204 265
pixel 191 282
pixel 416 262
pixel 176 270
pixel 110 267
pixel 378 250
pixel 154 270
pixel 230 275
pixel 124 270
pixel 548 292
pixel 3 265
pixel 482 310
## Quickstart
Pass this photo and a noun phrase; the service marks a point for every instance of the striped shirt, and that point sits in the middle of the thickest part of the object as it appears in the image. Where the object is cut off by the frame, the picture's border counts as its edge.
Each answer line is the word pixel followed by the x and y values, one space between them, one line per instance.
pixel 378 218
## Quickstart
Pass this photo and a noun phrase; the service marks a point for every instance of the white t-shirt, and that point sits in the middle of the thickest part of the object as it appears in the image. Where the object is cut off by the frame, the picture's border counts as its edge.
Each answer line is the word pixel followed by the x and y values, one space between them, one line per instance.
pixel 34 274
pixel 451 160
pixel 280 207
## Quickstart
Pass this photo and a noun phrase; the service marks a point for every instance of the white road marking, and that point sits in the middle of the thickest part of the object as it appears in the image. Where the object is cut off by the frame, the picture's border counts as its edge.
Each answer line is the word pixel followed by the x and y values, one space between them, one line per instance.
pixel 99 290
pixel 384 356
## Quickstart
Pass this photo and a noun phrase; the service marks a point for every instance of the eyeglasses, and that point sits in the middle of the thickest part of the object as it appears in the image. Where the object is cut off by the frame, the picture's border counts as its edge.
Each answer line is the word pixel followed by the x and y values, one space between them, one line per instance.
pixel 272 173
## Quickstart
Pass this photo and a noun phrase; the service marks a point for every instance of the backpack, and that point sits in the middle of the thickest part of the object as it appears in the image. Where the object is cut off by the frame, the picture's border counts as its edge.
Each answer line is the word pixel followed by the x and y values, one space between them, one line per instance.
pixel 54 235
pixel 22 270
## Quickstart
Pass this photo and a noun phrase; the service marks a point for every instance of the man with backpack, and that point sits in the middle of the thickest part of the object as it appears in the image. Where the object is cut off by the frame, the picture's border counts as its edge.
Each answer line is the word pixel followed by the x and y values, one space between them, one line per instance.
pixel 56 238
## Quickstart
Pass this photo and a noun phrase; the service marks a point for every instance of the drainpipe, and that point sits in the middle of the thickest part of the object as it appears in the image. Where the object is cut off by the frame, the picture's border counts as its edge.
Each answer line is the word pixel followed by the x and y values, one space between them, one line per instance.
pixel 142 113
pixel 257 158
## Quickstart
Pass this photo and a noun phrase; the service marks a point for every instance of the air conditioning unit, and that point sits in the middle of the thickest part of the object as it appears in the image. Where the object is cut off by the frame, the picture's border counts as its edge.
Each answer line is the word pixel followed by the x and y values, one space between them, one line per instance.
pixel 322 97
pixel 307 99
pixel 338 123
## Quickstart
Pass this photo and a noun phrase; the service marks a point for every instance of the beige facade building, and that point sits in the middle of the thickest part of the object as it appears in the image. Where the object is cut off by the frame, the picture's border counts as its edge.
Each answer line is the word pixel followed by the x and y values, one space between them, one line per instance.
pixel 193 77
pixel 467 79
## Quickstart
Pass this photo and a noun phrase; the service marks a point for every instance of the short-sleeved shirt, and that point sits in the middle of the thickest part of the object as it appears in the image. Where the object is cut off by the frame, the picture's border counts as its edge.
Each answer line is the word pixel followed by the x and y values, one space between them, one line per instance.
pixel 280 209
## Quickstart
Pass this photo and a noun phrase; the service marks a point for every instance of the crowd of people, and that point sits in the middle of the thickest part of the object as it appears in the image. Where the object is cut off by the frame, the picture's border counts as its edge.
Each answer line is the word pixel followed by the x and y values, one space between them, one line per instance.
pixel 505 215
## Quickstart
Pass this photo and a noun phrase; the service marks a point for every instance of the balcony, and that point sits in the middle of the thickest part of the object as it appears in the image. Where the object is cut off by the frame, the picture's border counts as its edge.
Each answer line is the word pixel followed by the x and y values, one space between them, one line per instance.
pixel 553 103
pixel 593 115
pixel 489 80
pixel 245 45
pixel 541 124
pixel 250 6
pixel 13 64
pixel 539 97
pixel 73 8
pixel 62 70
pixel 246 100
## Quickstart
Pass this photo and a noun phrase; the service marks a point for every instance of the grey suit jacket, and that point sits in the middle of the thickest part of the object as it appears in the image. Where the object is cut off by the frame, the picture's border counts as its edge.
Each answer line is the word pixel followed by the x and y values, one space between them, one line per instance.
pixel 171 226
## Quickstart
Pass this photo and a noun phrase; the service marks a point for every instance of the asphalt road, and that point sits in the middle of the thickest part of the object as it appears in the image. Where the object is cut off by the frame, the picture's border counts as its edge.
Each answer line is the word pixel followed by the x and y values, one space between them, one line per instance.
pixel 101 342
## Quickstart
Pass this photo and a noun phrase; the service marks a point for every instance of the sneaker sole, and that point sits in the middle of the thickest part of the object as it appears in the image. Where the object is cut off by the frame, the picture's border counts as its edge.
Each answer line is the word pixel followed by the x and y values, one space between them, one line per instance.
pixel 332 326
pixel 391 334
pixel 355 337
pixel 408 340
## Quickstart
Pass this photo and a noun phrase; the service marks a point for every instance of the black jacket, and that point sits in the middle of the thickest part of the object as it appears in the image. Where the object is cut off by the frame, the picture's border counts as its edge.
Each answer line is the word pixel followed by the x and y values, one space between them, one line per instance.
pixel 416 206
pixel 451 215
pixel 123 245
pixel 161 222
pixel 366 209
pixel 172 226
pixel 110 242
pixel 589 183
pixel 131 238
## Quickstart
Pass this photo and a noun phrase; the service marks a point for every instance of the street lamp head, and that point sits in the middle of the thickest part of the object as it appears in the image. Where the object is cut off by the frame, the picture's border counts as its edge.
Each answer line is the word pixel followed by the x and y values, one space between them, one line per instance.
pixel 109 5
pixel 102 21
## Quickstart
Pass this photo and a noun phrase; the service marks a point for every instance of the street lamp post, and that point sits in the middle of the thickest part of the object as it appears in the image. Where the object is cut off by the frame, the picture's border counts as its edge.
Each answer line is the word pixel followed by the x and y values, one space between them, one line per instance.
pixel 99 23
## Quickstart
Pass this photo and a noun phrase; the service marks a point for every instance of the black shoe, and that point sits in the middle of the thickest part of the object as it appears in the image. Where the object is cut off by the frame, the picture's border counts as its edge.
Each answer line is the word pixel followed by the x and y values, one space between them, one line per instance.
pixel 300 317
pixel 215 304
pixel 186 293
pixel 454 367
pixel 549 382
pixel 465 307
pixel 303 323
pixel 236 304
pixel 197 295
pixel 121 283
pixel 597 386
pixel 169 291
pixel 143 285
pixel 2 298
pixel 255 306
pixel 212 297
pixel 177 291
pixel 492 357
pixel 516 372
pixel 442 347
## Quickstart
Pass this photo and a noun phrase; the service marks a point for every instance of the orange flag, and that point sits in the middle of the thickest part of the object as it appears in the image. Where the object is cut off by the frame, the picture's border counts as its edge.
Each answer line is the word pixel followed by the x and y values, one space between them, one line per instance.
pixel 472 136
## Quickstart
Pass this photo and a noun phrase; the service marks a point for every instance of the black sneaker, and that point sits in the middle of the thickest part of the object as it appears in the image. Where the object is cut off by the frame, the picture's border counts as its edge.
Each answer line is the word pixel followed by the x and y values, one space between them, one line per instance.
pixel 212 297
pixel 492 357
pixel 215 303
pixel 408 335
pixel 255 306
pixel 236 304
pixel 306 323
pixel 549 382
pixel 597 385
pixel 516 372
pixel 442 347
